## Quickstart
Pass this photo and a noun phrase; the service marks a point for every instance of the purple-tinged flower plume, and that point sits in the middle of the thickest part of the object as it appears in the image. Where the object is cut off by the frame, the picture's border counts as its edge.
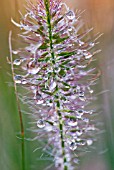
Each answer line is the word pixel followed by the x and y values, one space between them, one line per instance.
pixel 57 71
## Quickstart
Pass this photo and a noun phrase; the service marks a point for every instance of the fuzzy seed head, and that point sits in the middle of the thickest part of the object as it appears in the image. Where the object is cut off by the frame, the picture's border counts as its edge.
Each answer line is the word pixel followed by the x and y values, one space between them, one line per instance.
pixel 57 72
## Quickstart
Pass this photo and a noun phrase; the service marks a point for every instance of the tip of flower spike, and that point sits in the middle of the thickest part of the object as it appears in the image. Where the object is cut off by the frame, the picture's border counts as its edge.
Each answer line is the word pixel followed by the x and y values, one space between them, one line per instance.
pixel 15 23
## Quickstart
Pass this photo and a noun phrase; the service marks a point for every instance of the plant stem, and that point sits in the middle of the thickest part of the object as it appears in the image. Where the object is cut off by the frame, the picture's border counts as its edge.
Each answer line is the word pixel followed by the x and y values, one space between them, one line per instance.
pixel 18 105
pixel 47 6
pixel 62 140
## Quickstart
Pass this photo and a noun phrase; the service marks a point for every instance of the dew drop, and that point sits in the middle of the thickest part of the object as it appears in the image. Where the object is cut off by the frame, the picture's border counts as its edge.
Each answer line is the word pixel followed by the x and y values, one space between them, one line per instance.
pixel 81 66
pixel 90 90
pixel 81 96
pixel 18 79
pixel 33 88
pixel 92 44
pixel 17 62
pixel 49 128
pixel 79 52
pixel 80 43
pixel 40 101
pixel 82 142
pixel 73 97
pixel 37 96
pixel 69 28
pixel 68 156
pixel 49 103
pixel 90 112
pixel 15 52
pixel 83 73
pixel 78 88
pixel 21 27
pixel 57 69
pixel 24 81
pixel 35 81
pixel 33 67
pixel 32 14
pixel 91 128
pixel 40 123
pixel 72 122
pixel 79 113
pixel 85 120
pixel 78 139
pixel 70 15
pixel 58 162
pixel 61 23
pixel 73 134
pixel 89 142
pixel 87 55
pixel 76 160
pixel 72 145
pixel 79 133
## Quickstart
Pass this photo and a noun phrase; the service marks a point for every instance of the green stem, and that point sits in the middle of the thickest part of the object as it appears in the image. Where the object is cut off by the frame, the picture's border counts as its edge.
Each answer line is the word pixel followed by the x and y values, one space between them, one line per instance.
pixel 18 106
pixel 62 140
pixel 61 125
pixel 47 6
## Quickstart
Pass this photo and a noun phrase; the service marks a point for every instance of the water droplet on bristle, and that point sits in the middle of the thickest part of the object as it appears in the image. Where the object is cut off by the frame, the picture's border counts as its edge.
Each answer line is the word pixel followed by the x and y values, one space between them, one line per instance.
pixel 72 122
pixel 82 142
pixel 18 79
pixel 17 62
pixel 90 90
pixel 89 142
pixel 86 120
pixel 76 160
pixel 90 112
pixel 87 55
pixel 80 43
pixel 81 96
pixel 41 123
pixel 81 66
pixel 58 162
pixel 79 133
pixel 72 145
pixel 40 101
pixel 91 128
pixel 73 97
pixel 78 88
pixel 70 15
pixel 70 29
pixel 37 96
pixel 15 52
pixel 24 81
pixel 33 67
pixel 79 113
pixel 92 44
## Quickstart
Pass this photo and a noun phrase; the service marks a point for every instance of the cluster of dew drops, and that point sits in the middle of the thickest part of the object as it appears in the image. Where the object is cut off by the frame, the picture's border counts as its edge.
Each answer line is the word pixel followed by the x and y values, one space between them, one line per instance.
pixel 78 130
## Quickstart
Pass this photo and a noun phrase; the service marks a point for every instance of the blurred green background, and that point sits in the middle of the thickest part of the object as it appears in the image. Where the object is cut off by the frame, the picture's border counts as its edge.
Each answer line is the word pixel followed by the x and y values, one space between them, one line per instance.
pixel 100 15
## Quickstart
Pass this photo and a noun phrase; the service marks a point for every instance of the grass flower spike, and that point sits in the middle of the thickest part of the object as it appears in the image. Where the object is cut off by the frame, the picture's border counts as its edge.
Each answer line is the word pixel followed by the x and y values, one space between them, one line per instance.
pixel 56 69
